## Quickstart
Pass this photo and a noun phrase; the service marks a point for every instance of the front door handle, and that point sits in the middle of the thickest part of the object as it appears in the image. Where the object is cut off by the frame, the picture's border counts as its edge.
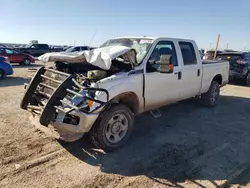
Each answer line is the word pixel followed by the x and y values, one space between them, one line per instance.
pixel 179 75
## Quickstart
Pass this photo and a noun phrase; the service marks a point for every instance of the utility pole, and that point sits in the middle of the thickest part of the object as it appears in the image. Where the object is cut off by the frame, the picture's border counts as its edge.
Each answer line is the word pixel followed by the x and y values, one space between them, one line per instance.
pixel 227 46
pixel 210 45
pixel 217 44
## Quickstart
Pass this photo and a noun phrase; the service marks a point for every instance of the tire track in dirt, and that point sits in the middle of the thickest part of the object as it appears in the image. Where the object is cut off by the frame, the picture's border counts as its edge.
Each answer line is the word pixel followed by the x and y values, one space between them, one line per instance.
pixel 33 163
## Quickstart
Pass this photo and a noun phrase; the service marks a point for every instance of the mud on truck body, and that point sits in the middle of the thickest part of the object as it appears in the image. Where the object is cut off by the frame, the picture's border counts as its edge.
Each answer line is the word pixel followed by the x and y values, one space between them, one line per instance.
pixel 99 91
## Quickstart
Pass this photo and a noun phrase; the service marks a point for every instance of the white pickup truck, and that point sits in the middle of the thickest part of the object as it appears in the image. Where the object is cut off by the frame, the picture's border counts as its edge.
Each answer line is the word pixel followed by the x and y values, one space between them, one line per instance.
pixel 100 91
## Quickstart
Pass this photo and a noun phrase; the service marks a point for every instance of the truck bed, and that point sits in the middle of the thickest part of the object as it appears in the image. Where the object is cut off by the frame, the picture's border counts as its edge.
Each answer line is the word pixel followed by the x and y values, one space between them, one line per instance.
pixel 212 61
pixel 212 68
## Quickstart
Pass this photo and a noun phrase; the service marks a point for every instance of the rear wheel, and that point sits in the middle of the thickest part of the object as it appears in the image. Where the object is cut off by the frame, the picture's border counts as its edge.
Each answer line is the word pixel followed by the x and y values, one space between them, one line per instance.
pixel 2 74
pixel 113 128
pixel 246 79
pixel 211 97
pixel 26 62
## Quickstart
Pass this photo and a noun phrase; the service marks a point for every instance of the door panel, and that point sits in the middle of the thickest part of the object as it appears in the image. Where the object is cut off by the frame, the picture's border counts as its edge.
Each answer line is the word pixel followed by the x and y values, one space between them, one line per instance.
pixel 33 50
pixel 191 70
pixel 162 88
pixel 18 58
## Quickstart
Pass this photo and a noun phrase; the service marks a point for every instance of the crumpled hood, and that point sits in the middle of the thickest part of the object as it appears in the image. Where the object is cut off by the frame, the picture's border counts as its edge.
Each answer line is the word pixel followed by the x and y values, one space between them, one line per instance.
pixel 100 57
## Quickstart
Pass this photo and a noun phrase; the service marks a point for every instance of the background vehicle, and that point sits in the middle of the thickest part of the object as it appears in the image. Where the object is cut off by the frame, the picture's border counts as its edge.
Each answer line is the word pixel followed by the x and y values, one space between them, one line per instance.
pixel 239 65
pixel 56 49
pixel 103 96
pixel 34 49
pixel 209 54
pixel 77 48
pixel 5 67
pixel 17 57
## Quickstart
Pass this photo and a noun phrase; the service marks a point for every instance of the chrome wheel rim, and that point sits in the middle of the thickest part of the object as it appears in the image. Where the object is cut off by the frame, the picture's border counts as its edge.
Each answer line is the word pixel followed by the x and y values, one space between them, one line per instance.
pixel 27 62
pixel 117 128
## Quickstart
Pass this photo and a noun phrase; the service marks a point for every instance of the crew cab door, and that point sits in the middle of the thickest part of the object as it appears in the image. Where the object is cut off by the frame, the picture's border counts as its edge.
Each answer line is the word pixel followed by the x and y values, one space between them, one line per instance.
pixel 191 70
pixel 34 50
pixel 162 88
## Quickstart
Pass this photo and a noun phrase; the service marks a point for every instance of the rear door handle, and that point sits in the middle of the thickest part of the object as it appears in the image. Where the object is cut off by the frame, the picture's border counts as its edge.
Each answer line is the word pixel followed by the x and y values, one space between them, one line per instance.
pixel 198 72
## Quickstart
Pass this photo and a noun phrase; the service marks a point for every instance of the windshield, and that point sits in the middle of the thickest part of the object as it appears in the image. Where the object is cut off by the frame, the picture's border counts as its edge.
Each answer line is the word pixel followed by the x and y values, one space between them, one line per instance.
pixel 28 45
pixel 140 45
pixel 71 49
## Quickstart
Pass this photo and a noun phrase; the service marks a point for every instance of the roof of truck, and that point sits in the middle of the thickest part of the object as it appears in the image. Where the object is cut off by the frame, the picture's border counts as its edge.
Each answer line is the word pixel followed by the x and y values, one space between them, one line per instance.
pixel 153 37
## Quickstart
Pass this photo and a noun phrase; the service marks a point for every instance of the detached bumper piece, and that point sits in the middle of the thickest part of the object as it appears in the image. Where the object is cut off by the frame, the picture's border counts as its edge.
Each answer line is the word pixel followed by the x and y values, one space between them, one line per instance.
pixel 47 91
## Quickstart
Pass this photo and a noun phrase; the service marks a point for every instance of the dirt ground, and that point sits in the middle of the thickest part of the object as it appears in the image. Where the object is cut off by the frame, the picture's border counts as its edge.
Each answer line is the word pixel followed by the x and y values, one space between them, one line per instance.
pixel 189 146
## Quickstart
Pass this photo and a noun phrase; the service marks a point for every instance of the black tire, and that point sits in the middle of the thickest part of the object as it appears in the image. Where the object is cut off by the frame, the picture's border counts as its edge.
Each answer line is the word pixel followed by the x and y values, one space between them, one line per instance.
pixel 246 80
pixel 26 62
pixel 210 98
pixel 100 131
pixel 2 74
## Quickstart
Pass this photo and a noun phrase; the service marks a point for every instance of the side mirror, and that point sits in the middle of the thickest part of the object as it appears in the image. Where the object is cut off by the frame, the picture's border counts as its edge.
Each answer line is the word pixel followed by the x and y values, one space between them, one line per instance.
pixel 165 64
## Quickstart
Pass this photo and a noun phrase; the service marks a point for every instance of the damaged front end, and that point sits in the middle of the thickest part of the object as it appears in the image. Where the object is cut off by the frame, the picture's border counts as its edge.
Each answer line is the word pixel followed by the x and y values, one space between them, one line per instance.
pixel 61 105
pixel 65 99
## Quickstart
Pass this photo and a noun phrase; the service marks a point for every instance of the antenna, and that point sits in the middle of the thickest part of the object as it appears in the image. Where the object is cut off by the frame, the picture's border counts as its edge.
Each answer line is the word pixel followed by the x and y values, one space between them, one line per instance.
pixel 92 37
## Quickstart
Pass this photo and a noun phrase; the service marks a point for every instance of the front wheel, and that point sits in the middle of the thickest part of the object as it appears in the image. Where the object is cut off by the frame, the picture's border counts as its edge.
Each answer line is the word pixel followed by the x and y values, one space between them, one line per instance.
pixel 112 128
pixel 26 62
pixel 2 74
pixel 210 98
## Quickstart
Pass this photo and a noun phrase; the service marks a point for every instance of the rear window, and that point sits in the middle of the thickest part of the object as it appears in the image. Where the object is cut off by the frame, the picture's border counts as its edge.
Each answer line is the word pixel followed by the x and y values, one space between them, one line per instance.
pixel 43 46
pixel 188 53
pixel 246 56
pixel 232 58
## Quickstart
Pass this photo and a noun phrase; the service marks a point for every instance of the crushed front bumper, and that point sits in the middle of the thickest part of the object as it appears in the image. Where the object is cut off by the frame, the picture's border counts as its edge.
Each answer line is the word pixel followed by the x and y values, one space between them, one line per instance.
pixel 55 87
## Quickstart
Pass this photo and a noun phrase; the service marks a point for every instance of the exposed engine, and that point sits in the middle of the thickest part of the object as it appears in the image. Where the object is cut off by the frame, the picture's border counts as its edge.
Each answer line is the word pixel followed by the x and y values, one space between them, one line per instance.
pixel 83 71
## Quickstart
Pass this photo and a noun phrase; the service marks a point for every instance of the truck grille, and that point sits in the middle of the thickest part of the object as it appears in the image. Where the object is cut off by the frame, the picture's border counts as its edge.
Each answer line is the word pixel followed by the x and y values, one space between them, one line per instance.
pixel 47 91
pixel 51 80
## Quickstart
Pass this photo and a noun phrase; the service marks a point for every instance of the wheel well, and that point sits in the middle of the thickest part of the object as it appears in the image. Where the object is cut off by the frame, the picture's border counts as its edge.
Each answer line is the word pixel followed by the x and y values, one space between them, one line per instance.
pixel 129 99
pixel 1 70
pixel 218 78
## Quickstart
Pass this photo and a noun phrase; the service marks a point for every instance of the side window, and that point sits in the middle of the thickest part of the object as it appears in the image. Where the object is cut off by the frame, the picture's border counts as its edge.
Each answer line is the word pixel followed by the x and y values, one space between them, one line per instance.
pixel 162 48
pixel 84 48
pixel 9 51
pixel 77 49
pixel 33 46
pixel 188 53
pixel 43 46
